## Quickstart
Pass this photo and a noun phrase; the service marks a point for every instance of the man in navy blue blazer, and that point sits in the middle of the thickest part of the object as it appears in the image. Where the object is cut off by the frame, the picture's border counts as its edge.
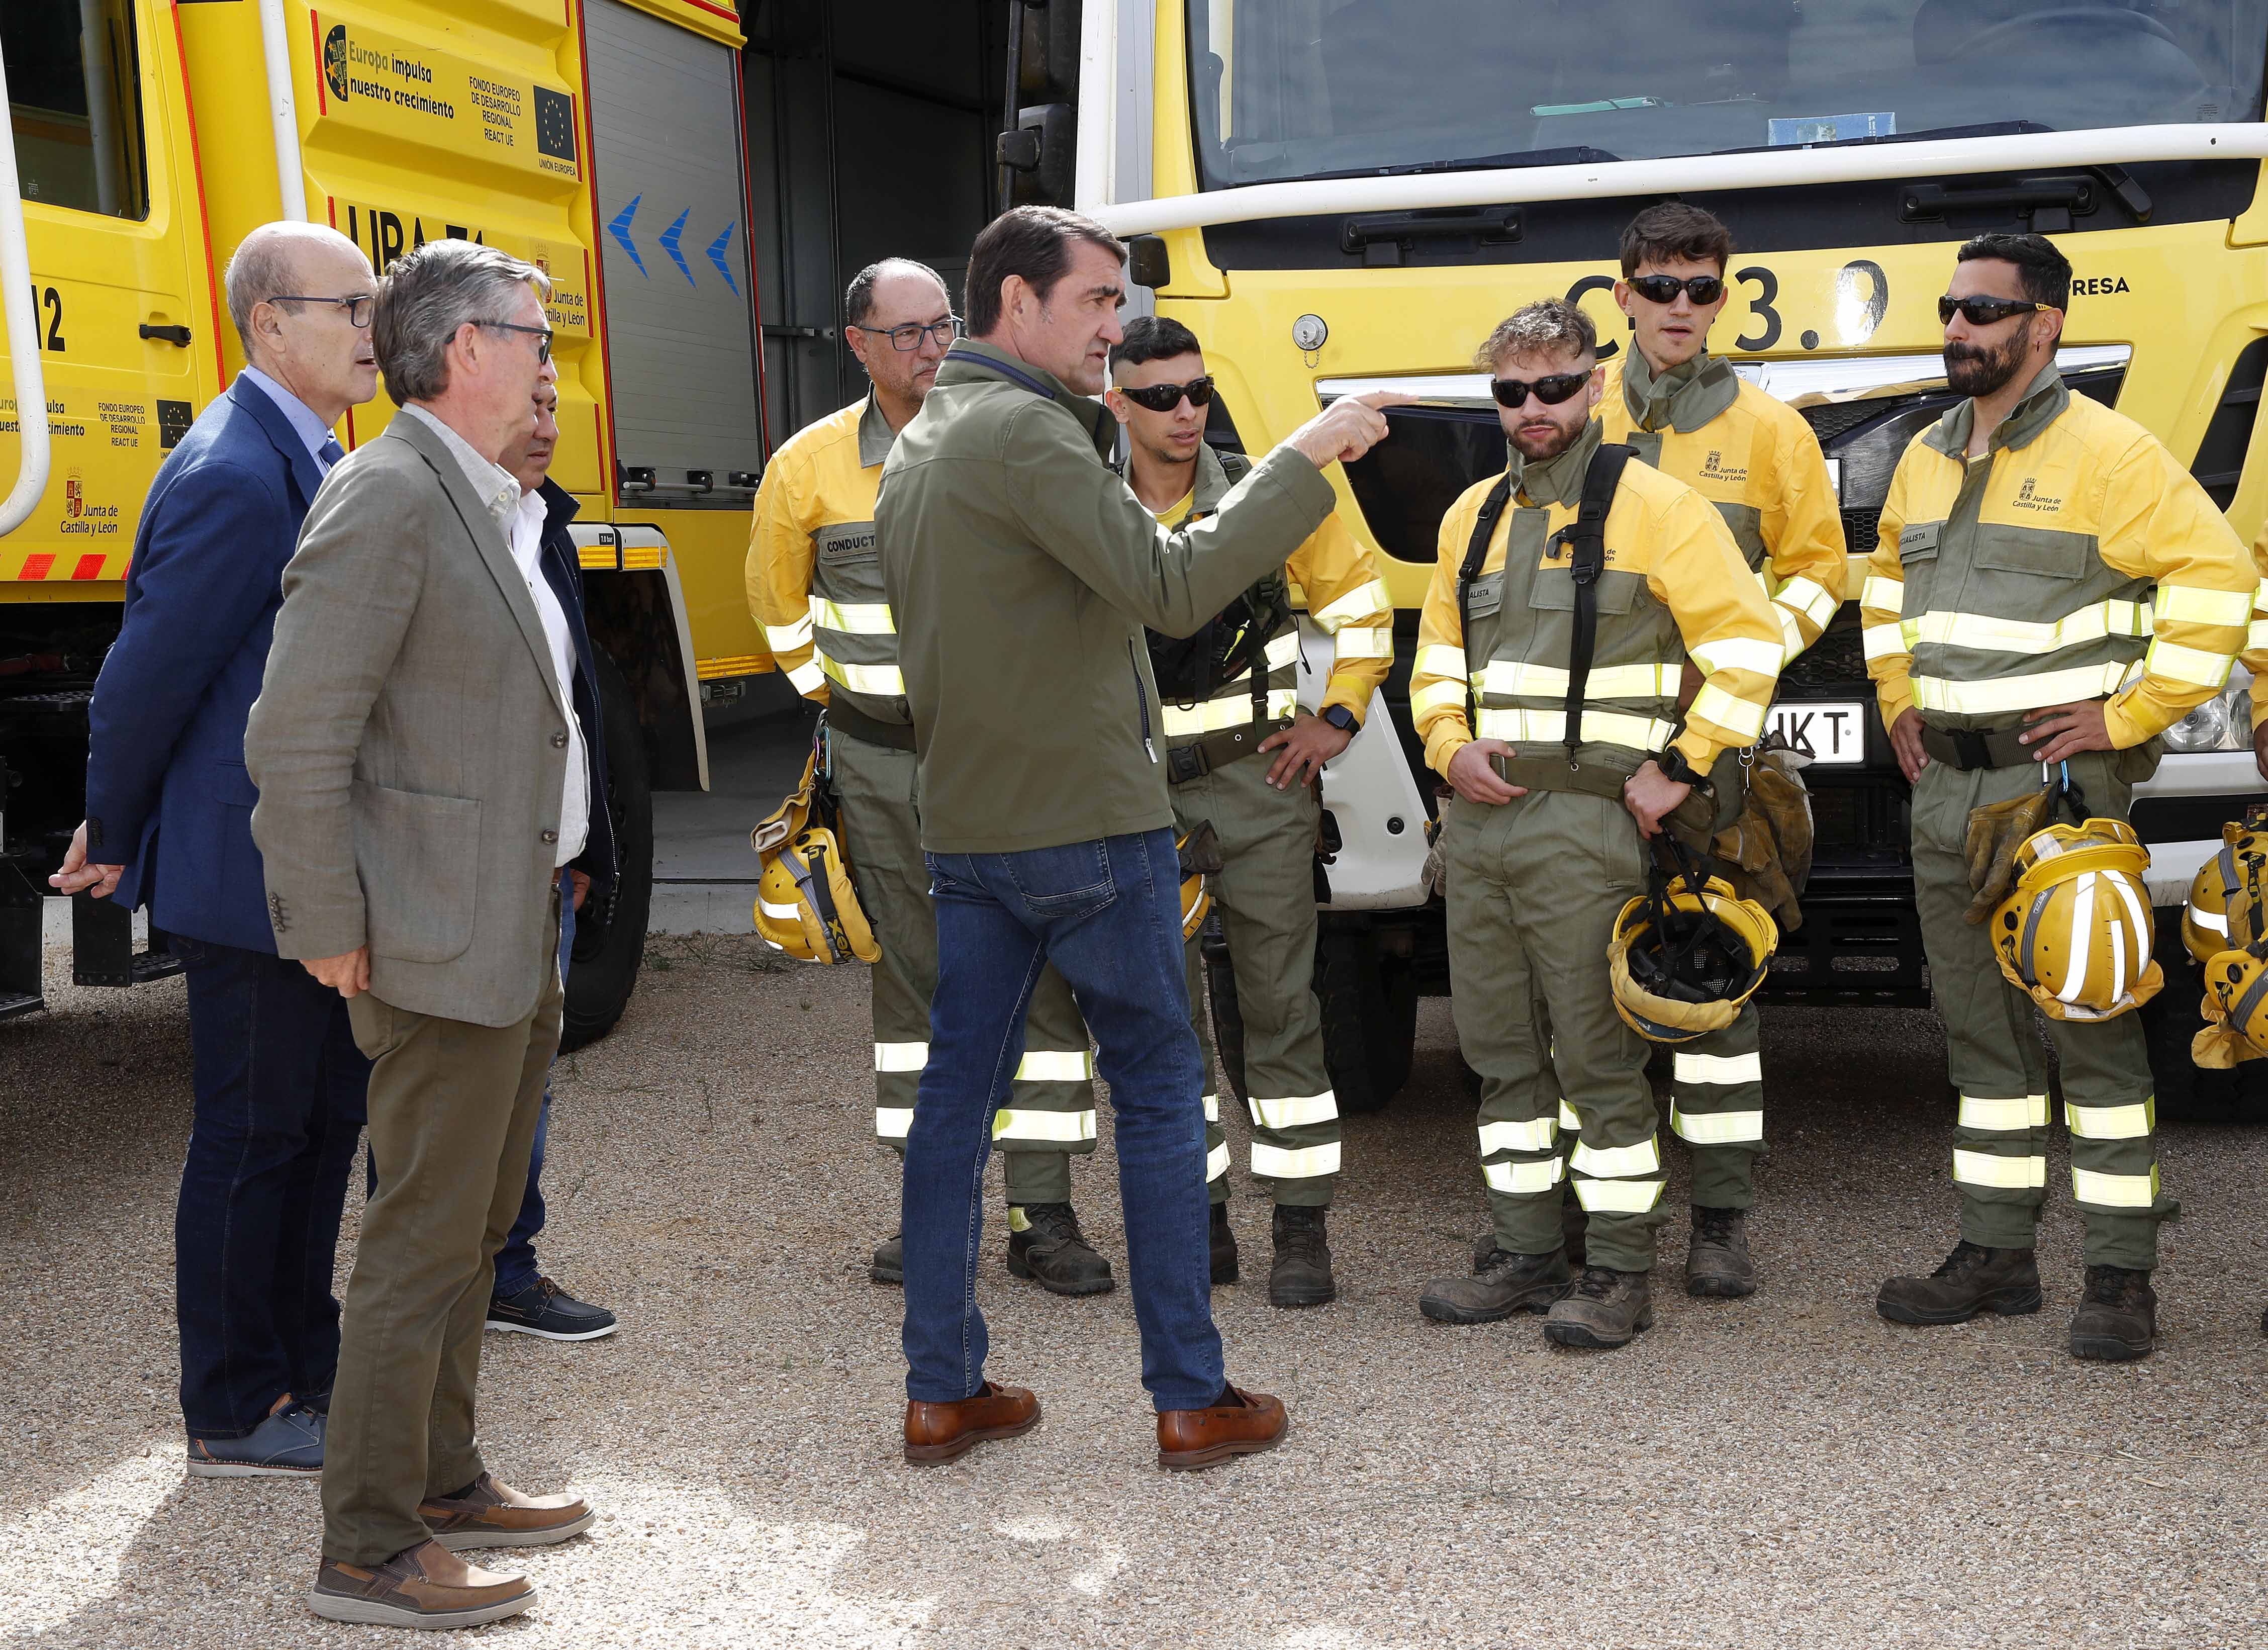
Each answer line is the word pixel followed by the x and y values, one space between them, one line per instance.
pixel 279 1081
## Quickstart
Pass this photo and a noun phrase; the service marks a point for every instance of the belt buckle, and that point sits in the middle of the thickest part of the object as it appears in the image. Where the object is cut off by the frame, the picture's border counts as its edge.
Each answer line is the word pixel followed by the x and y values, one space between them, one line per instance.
pixel 1970 749
pixel 1187 763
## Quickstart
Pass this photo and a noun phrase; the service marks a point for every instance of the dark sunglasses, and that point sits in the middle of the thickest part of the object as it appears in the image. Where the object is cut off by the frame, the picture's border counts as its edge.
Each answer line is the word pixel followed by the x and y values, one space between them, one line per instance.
pixel 1664 288
pixel 1166 397
pixel 1513 392
pixel 1985 311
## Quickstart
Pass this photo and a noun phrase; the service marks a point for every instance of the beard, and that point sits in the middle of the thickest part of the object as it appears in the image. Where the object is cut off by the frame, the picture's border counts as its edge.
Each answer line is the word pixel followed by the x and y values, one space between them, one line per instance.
pixel 1540 448
pixel 1972 370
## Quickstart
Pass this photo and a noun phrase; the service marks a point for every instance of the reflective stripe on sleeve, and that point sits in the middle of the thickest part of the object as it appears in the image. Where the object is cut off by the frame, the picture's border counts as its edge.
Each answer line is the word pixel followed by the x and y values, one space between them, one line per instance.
pixel 1052 1065
pixel 1739 652
pixel 884 681
pixel 900 1057
pixel 1435 695
pixel 1734 714
pixel 1523 1179
pixel 1363 640
pixel 2115 1191
pixel 1719 1068
pixel 2027 692
pixel 1359 603
pixel 893 1122
pixel 1301 1163
pixel 1883 595
pixel 2112 1122
pixel 2188 604
pixel 2022 1111
pixel 1984 1169
pixel 1617 1196
pixel 806 676
pixel 1438 658
pixel 1294 1111
pixel 1616 1162
pixel 853 618
pixel 1809 598
pixel 1054 1127
pixel 1884 641
pixel 786 637
pixel 1716 1128
pixel 1537 1134
pixel 1217 1162
pixel 1211 716
pixel 2194 664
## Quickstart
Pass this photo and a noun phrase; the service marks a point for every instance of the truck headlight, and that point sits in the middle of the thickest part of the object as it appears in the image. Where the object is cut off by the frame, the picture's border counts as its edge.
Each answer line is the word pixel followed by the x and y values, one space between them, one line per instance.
pixel 2223 722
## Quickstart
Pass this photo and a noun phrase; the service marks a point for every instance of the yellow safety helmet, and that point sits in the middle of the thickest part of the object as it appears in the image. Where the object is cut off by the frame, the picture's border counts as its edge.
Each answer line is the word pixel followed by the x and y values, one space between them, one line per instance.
pixel 805 904
pixel 2205 929
pixel 2234 1010
pixel 1683 964
pixel 2075 931
pixel 1199 852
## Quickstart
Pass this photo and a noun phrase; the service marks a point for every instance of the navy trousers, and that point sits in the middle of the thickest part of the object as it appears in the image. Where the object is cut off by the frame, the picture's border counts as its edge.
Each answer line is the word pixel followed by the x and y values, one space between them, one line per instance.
pixel 280 1088
pixel 515 1262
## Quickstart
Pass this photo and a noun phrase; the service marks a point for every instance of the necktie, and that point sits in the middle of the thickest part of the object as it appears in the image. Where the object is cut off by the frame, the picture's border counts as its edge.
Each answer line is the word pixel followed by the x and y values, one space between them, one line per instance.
pixel 332 454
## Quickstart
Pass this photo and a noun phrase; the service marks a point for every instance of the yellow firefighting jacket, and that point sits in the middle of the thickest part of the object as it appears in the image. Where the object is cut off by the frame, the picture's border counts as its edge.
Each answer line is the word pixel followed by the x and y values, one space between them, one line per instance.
pixel 2075 560
pixel 814 575
pixel 1337 581
pixel 2255 639
pixel 1675 587
pixel 1753 456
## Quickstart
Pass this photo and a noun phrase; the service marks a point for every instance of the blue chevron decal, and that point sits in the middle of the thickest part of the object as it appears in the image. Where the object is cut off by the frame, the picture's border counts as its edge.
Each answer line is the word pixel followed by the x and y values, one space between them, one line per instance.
pixel 668 240
pixel 620 229
pixel 716 256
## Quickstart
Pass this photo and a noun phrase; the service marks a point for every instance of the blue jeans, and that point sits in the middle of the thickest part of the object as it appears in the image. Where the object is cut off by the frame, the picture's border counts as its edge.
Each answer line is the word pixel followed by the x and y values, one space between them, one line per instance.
pixel 280 1088
pixel 515 1262
pixel 1108 914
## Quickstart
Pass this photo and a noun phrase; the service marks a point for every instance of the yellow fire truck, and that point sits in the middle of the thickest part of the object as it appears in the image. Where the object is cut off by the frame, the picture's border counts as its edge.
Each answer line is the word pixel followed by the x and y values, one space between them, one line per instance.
pixel 602 139
pixel 1341 195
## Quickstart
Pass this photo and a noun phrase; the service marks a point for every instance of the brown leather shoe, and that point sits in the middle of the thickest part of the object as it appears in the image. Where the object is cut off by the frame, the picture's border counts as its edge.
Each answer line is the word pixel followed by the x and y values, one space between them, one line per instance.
pixel 492 1514
pixel 938 1432
pixel 1190 1438
pixel 428 1586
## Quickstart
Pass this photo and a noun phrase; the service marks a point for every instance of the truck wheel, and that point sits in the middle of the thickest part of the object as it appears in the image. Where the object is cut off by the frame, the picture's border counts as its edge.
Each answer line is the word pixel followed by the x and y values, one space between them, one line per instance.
pixel 2187 1093
pixel 1370 1019
pixel 1227 1015
pixel 610 933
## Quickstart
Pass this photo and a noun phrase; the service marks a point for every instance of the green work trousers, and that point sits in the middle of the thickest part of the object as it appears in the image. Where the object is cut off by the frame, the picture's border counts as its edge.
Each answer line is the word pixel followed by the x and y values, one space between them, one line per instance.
pixel 1534 888
pixel 1999 1153
pixel 1050 1111
pixel 453 1114
pixel 1265 893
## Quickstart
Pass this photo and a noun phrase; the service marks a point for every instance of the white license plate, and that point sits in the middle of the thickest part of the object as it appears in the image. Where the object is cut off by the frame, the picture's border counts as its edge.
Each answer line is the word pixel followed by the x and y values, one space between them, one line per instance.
pixel 1832 731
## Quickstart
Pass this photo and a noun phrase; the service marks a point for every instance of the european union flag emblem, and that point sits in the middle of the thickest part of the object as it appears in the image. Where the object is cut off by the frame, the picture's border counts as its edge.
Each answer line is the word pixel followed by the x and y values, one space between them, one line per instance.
pixel 555 124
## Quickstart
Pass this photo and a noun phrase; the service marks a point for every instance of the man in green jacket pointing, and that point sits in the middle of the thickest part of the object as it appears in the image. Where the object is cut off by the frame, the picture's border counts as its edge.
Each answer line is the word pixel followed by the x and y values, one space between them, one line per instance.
pixel 1021 572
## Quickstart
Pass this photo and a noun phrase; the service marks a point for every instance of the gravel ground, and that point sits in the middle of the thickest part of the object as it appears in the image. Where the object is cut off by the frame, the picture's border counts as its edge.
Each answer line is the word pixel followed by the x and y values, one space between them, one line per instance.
pixel 1786 1471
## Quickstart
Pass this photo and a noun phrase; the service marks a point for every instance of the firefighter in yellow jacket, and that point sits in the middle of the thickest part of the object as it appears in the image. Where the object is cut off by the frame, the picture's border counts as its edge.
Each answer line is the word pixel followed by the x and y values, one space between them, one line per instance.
pixel 815 584
pixel 1688 414
pixel 2050 591
pixel 1543 843
pixel 1243 758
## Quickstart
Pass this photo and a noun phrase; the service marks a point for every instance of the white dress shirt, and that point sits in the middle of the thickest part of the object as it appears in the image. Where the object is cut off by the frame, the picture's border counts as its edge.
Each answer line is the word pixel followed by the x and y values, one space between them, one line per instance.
pixel 519 518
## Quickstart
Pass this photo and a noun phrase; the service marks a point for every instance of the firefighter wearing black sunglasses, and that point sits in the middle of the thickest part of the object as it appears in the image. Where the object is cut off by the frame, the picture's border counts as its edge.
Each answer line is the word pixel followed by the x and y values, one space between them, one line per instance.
pixel 2052 588
pixel 1243 757
pixel 1687 413
pixel 1543 841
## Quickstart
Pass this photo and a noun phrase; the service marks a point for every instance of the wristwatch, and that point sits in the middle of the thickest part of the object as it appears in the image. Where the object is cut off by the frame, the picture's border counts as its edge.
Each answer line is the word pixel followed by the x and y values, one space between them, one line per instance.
pixel 1340 717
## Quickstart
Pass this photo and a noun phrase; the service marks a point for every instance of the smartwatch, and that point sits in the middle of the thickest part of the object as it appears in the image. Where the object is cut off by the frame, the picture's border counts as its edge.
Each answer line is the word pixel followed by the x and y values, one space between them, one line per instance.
pixel 1340 717
pixel 1674 766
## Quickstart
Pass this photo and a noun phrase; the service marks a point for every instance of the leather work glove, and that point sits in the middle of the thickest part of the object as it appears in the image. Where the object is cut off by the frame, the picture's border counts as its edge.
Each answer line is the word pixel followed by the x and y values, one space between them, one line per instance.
pixel 1996 831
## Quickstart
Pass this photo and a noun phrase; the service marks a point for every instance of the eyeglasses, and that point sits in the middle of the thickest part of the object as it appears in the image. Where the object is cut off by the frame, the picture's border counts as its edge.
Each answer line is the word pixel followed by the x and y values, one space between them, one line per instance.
pixel 542 335
pixel 910 336
pixel 1664 288
pixel 1166 397
pixel 1985 311
pixel 358 307
pixel 1513 392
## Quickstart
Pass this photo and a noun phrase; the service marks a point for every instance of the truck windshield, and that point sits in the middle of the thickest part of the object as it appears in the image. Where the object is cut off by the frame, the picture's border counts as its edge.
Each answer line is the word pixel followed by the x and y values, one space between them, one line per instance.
pixel 1305 88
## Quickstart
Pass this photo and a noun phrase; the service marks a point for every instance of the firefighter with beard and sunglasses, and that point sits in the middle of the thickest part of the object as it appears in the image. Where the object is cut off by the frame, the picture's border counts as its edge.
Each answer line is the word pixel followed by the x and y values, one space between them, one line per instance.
pixel 2050 591
pixel 1245 763
pixel 1569 595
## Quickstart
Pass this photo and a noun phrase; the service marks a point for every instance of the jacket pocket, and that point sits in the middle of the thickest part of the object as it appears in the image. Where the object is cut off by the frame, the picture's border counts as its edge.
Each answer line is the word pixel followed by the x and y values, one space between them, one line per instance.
pixel 1554 591
pixel 418 856
pixel 1141 699
pixel 2034 552
pixel 1917 548
pixel 1070 881
pixel 1485 596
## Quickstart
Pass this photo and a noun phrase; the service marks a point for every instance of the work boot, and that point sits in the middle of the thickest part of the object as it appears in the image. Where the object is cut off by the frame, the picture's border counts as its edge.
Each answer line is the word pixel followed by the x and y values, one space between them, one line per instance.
pixel 1605 1309
pixel 1502 1283
pixel 1224 1247
pixel 1046 1246
pixel 890 1262
pixel 1973 1279
pixel 2117 1319
pixel 1301 1274
pixel 1717 1262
